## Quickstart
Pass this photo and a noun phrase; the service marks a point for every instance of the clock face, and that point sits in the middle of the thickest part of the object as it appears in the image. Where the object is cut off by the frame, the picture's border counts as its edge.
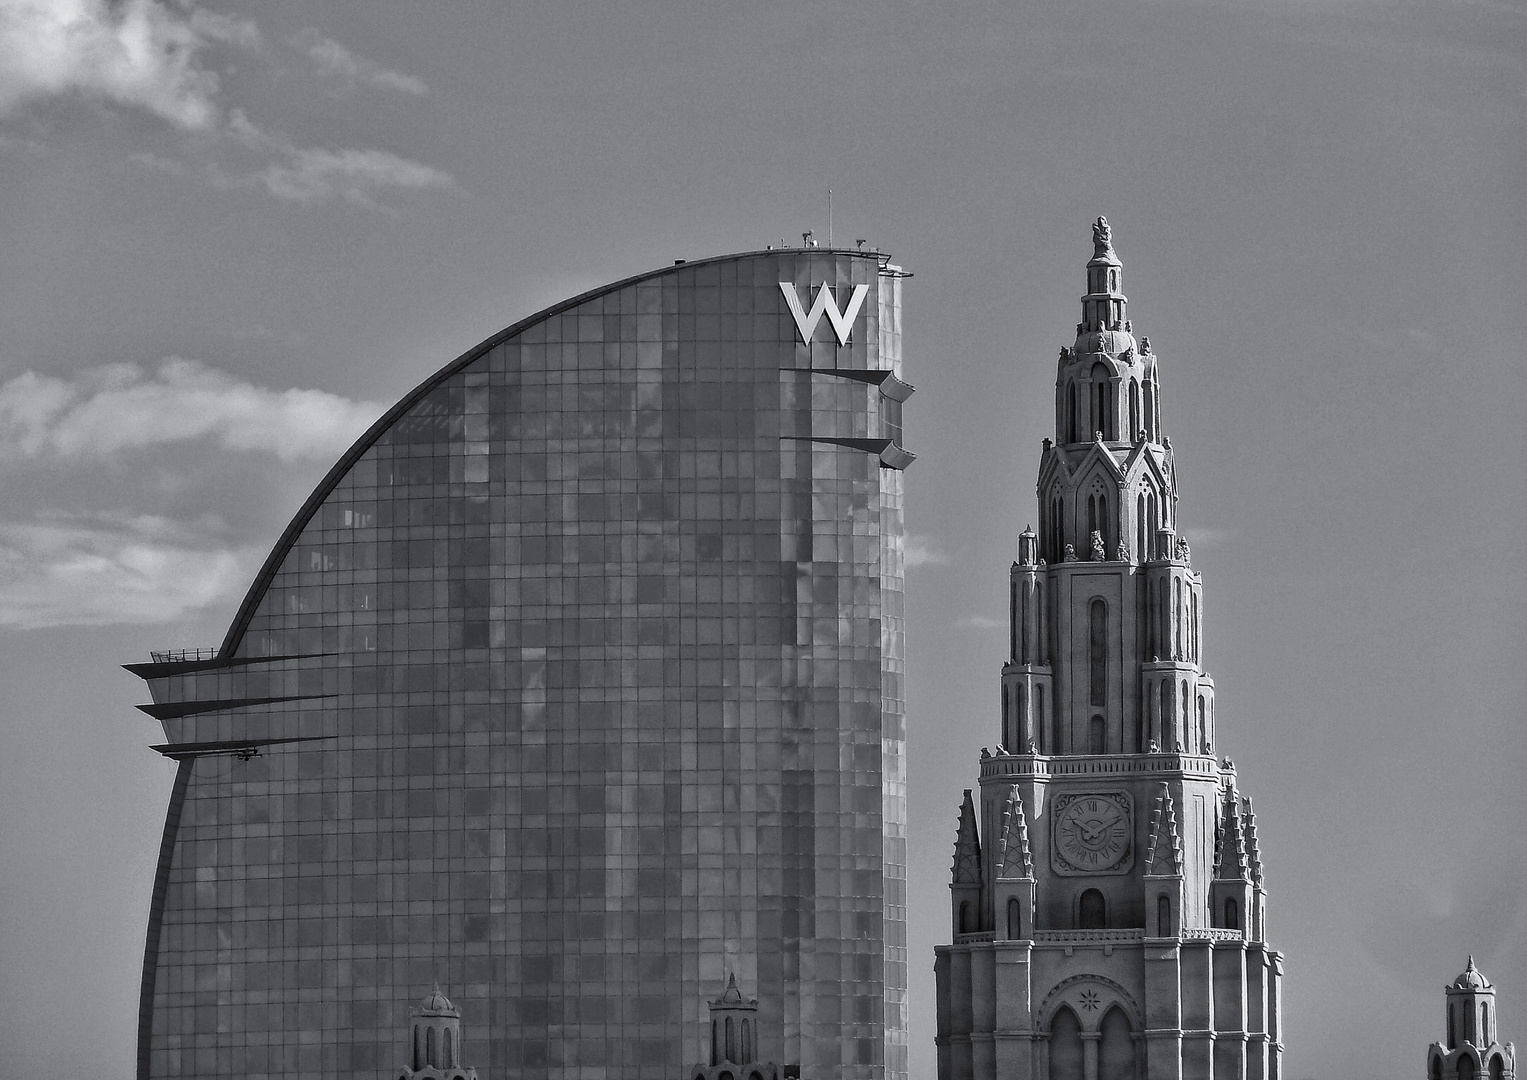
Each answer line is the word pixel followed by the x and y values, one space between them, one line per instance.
pixel 1092 833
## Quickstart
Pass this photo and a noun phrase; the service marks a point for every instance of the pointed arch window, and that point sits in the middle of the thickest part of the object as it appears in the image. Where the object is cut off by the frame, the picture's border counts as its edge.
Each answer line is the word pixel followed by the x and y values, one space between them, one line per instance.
pixel 1140 533
pixel 1097 736
pixel 1497 1068
pixel 1203 728
pixel 1134 410
pixel 1039 714
pixel 1014 919
pixel 450 1051
pixel 1091 911
pixel 1071 412
pixel 1187 729
pixel 1465 1066
pixel 1164 917
pixel 1232 914
pixel 1468 1032
pixel 1098 652
pixel 429 1048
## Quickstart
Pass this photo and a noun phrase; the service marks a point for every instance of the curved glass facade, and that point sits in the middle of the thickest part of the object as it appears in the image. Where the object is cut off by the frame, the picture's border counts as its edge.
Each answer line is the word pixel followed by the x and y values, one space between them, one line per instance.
pixel 575 688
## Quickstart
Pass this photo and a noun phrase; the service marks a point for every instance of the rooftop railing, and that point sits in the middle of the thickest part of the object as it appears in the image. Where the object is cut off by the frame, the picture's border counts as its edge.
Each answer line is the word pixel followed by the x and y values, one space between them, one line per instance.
pixel 180 656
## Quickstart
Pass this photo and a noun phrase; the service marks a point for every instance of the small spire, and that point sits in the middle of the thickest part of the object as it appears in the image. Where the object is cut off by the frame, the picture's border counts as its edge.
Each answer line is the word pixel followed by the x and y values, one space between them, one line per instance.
pixel 1014 860
pixel 967 846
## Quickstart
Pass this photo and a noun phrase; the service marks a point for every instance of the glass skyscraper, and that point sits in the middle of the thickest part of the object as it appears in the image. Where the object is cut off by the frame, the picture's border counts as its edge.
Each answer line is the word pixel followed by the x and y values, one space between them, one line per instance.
pixel 575 687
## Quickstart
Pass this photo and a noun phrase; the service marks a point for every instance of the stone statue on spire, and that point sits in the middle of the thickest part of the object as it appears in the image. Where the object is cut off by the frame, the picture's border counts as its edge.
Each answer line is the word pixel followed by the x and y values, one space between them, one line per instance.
pixel 1102 235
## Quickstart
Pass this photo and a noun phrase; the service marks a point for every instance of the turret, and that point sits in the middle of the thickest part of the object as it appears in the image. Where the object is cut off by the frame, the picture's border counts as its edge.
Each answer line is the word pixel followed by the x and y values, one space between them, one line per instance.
pixel 734 1039
pixel 1473 1050
pixel 434 1038
pixel 965 888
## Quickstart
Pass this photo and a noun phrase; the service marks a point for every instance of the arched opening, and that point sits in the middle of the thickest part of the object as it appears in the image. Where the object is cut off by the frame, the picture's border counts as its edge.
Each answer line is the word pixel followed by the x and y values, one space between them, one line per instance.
pixel 731 1039
pixel 1150 509
pixel 1014 919
pixel 418 1048
pixel 1071 412
pixel 1097 736
pixel 1137 737
pixel 1057 537
pixel 1468 1030
pixel 1497 1067
pixel 1091 911
pixel 1102 411
pixel 1150 409
pixel 1168 728
pixel 1484 1023
pixel 1065 1046
pixel 1116 1048
pixel 1097 653
pixel 1452 1029
pixel 1436 1069
pixel 1039 709
pixel 1141 537
pixel 449 1058
pixel 747 1040
pixel 965 926
pixel 1466 1068
pixel 1164 917
pixel 1134 410
pixel 1232 914
pixel 1021 721
pixel 430 1049
pixel 1186 727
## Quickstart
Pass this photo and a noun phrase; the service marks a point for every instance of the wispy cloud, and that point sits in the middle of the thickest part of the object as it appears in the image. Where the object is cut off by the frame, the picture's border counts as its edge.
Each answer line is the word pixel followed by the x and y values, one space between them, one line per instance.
pixel 105 410
pixel 137 53
pixel 333 59
pixel 921 551
pixel 98 571
pixel 980 622
pixel 1208 538
pixel 315 174
pixel 157 57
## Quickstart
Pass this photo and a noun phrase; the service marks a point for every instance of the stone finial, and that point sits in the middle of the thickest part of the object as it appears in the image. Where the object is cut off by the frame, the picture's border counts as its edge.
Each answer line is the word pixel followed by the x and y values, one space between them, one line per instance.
pixel 1122 552
pixel 1145 345
pixel 1099 552
pixel 1102 235
pixel 1070 555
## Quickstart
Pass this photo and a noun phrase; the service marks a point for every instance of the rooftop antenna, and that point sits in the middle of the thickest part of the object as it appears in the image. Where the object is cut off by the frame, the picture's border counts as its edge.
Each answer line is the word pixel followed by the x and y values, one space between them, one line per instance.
pixel 829 217
pixel 860 243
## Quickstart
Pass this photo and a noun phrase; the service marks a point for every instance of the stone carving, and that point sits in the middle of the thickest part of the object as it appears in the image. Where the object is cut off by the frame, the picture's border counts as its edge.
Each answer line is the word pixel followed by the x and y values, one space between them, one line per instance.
pixel 1030 748
pixel 1153 747
pixel 1102 235
pixel 1097 436
pixel 1122 554
pixel 1145 345
pixel 1184 553
pixel 1070 555
pixel 1099 553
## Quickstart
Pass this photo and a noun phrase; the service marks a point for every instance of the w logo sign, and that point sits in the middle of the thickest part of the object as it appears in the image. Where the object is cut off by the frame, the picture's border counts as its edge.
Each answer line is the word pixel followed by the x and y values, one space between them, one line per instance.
pixel 842 321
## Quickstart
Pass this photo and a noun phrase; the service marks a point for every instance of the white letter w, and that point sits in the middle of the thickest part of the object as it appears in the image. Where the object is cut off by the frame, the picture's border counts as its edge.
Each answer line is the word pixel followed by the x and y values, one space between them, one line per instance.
pixel 842 321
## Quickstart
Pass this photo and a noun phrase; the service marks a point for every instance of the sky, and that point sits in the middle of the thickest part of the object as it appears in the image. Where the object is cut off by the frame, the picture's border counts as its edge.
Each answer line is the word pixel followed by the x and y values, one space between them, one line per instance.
pixel 233 235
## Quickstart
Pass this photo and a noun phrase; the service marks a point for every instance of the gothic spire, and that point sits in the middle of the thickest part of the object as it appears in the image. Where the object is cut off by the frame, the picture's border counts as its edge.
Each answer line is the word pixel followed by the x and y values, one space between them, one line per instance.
pixel 1253 851
pixel 1164 853
pixel 967 846
pixel 1233 862
pixel 1014 860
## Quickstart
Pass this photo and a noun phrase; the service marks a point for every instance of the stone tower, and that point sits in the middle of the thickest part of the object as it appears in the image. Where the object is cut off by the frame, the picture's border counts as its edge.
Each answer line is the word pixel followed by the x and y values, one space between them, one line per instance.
pixel 734 1053
pixel 434 1042
pixel 1111 925
pixel 1473 1050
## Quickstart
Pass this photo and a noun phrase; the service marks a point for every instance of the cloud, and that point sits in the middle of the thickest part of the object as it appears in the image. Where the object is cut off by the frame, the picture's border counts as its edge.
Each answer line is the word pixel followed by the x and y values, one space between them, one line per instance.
pixel 315 174
pixel 151 56
pixel 1208 538
pixel 105 410
pixel 104 570
pixel 981 622
pixel 920 551
pixel 137 53
pixel 332 58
